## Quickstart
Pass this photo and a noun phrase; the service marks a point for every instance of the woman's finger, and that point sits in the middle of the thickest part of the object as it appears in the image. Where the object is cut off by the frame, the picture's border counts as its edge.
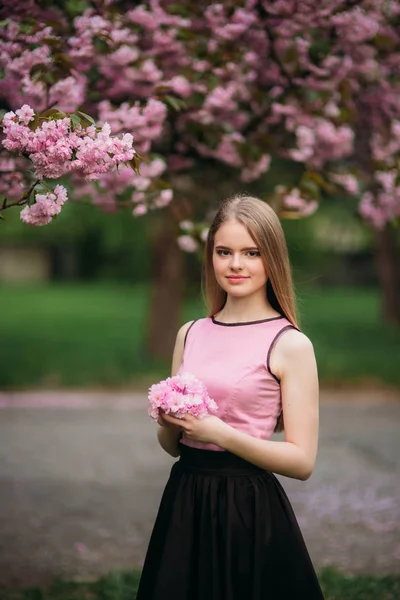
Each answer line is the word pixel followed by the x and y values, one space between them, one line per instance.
pixel 172 420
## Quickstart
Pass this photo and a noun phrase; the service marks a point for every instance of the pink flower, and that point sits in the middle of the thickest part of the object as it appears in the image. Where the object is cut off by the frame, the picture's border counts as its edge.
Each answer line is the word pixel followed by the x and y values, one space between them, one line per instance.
pixel 254 170
pixel 56 148
pixel 372 212
pixel 36 215
pixel 188 243
pixel 163 199
pixel 153 169
pixel 186 225
pixel 227 150
pixel 221 98
pixel 355 26
pixel 80 547
pixel 26 114
pixel 295 201
pixel 140 16
pixel 180 85
pixel 11 183
pixel 46 207
pixel 348 181
pixel 387 179
pixel 68 93
pixel 204 234
pixel 178 395
pixel 139 210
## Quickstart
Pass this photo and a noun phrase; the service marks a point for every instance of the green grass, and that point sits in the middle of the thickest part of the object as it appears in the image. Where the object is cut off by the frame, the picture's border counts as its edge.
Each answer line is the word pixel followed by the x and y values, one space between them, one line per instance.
pixel 123 586
pixel 94 335
pixel 351 341
pixel 73 336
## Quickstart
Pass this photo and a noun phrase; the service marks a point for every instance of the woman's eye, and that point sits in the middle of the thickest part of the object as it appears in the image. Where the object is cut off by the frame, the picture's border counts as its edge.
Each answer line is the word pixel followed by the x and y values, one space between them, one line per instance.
pixel 251 253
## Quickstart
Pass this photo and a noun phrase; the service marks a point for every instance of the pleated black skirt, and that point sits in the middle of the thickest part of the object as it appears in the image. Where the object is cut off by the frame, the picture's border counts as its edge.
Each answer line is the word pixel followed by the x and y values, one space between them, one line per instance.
pixel 225 530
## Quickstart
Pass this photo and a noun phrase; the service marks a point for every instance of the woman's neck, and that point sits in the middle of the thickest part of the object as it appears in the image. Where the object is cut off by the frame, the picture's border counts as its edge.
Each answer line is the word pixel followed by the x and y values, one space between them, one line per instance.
pixel 244 309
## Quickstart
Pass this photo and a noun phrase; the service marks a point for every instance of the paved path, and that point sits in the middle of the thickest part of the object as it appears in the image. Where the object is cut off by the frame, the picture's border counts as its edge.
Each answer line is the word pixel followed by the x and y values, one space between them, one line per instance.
pixel 81 477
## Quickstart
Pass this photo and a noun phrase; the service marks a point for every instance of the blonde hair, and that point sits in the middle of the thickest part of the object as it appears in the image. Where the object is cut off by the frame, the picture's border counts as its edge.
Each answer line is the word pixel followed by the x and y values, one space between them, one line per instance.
pixel 264 226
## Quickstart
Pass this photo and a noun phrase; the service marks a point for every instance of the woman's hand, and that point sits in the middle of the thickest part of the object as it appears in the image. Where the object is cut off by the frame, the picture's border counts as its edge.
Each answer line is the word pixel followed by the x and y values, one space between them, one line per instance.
pixel 164 423
pixel 209 429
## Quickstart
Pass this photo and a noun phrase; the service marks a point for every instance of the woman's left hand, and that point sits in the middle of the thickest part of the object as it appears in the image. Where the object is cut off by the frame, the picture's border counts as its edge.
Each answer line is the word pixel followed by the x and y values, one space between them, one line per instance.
pixel 209 429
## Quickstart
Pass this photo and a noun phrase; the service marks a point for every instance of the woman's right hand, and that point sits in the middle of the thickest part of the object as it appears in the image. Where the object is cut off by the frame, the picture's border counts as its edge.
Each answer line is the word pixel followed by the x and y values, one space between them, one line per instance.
pixel 161 421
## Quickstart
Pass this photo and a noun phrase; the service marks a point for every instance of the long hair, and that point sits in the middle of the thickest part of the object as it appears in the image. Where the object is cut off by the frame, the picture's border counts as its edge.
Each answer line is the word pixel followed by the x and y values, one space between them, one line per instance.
pixel 264 227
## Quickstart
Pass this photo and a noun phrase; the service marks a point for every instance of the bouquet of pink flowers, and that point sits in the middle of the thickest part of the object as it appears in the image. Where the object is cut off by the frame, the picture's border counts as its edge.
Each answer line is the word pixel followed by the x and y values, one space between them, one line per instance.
pixel 180 395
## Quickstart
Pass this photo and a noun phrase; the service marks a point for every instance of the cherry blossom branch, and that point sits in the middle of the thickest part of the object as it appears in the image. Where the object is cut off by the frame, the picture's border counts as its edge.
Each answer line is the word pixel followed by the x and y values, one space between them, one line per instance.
pixel 23 200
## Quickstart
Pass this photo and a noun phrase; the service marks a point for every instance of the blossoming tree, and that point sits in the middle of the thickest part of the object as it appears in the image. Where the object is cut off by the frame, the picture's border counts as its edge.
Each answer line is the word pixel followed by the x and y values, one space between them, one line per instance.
pixel 235 83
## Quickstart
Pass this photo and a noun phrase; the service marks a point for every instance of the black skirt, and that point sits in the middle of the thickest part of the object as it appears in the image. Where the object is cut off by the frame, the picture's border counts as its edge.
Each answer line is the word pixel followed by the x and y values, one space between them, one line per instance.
pixel 225 530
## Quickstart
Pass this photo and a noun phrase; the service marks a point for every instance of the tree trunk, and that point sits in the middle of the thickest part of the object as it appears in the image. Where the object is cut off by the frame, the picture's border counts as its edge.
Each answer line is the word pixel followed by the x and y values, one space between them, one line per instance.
pixel 388 265
pixel 167 291
pixel 169 278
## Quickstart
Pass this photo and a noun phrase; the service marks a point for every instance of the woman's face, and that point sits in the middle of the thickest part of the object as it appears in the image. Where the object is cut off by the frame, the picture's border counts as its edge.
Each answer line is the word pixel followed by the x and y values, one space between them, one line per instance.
pixel 237 262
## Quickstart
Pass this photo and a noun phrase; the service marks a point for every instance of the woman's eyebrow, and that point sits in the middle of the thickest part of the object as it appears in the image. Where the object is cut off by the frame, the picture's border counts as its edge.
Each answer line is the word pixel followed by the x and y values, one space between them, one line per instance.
pixel 220 246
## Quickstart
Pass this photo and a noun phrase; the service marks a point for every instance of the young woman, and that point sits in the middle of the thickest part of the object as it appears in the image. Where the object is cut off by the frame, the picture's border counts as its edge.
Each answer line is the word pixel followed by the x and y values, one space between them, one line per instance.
pixel 225 529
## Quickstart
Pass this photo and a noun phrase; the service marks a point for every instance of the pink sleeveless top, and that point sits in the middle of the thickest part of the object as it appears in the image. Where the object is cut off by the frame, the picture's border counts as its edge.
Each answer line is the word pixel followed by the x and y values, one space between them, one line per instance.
pixel 232 360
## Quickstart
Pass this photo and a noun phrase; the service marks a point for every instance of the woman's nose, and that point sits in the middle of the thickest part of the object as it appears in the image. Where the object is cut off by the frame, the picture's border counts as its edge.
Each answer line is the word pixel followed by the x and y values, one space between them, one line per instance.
pixel 236 261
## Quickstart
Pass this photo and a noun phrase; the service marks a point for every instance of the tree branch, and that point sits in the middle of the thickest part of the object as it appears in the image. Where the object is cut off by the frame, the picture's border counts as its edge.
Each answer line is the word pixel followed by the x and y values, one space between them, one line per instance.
pixel 23 200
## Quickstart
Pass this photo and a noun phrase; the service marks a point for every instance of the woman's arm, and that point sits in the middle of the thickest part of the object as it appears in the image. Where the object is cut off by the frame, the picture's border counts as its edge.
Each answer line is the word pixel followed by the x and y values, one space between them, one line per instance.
pixel 168 434
pixel 293 362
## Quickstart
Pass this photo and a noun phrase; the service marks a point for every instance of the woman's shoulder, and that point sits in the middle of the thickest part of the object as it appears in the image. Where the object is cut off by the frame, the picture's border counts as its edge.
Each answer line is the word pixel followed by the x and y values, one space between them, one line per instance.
pixel 181 336
pixel 294 341
pixel 185 328
pixel 292 351
pixel 182 331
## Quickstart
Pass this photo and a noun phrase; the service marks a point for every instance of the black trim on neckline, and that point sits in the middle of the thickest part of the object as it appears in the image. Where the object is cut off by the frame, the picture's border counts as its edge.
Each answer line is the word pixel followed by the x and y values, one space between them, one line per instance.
pixel 245 322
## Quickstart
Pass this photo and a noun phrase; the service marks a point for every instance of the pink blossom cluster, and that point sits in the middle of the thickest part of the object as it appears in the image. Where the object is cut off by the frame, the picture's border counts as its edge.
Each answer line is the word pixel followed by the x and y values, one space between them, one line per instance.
pixel 143 189
pixel 321 141
pixel 294 200
pixel 154 199
pixel 12 181
pixel 128 63
pixel 355 25
pixel 45 208
pixel 237 82
pixel 21 52
pixel 56 148
pixel 146 120
pixel 192 236
pixel 385 145
pixel 87 27
pixel 384 204
pixel 188 243
pixel 180 395
pixel 347 181
pixel 254 170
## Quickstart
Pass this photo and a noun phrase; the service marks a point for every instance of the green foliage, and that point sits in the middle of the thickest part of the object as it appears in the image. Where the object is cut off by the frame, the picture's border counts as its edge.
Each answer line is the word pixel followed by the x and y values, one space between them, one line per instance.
pixel 122 585
pixel 95 335
pixel 109 246
pixel 117 585
pixel 323 247
pixel 351 341
pixel 337 586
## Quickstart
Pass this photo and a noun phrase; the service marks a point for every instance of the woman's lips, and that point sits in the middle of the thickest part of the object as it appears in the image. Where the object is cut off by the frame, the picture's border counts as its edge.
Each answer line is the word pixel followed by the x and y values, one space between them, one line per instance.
pixel 234 279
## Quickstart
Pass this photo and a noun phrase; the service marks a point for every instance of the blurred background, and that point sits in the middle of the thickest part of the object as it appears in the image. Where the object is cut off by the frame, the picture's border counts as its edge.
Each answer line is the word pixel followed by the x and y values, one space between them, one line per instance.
pixel 91 303
pixel 90 306
pixel 99 298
